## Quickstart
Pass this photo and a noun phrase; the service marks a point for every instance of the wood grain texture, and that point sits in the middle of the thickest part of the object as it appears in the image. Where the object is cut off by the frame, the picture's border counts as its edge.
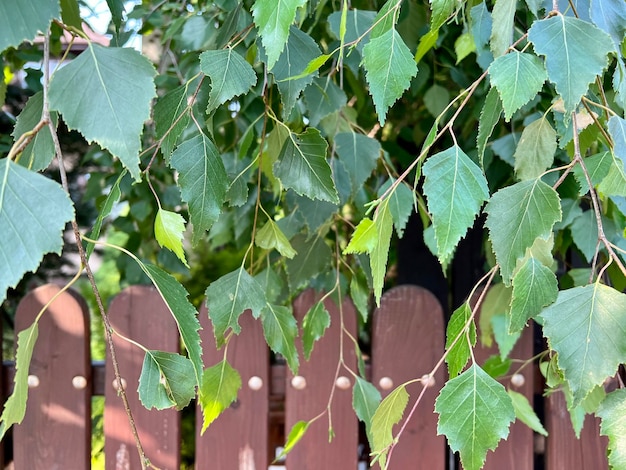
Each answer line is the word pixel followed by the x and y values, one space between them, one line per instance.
pixel 56 431
pixel 138 312
pixel 237 440
pixel 407 342
pixel 314 452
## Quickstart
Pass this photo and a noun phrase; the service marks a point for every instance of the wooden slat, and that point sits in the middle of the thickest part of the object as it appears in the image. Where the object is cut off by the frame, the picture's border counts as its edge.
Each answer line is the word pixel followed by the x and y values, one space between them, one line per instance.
pixel 517 451
pixel 563 450
pixel 407 341
pixel 56 431
pixel 314 452
pixel 237 440
pixel 139 313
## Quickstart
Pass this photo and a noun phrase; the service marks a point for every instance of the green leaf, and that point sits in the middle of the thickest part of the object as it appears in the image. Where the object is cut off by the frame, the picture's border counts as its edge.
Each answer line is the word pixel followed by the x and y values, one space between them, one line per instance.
pixel 359 155
pixel 436 100
pixel 517 215
pixel 299 51
pixel 575 51
pixel 169 228
pixel 502 27
pixel 220 385
pixel 171 118
pixel 323 97
pixel 613 414
pixel 33 213
pixel 297 432
pixel 273 18
pixel 70 13
pixel 365 401
pixel 40 151
pixel 271 237
pixel 617 131
pixel 15 406
pixel 104 210
pixel 518 77
pixel 610 16
pixel 228 297
pixel 585 234
pixel 464 46
pixel 614 184
pixel 534 287
pixel 302 166
pixel 230 75
pixel 314 256
pixel 383 223
pixel 475 412
pixel 489 118
pixel 314 324
pixel 360 294
pixel 456 189
pixel 535 150
pixel 166 380
pixel 185 315
pixel 280 330
pixel 442 10
pixel 496 302
pixel 364 239
pixel 587 328
pixel 117 10
pixel 389 67
pixel 386 18
pixel 459 354
pixel 95 96
pixel 22 21
pixel 525 413
pixel 358 23
pixel 506 341
pixel 386 416
pixel 401 204
pixel 202 181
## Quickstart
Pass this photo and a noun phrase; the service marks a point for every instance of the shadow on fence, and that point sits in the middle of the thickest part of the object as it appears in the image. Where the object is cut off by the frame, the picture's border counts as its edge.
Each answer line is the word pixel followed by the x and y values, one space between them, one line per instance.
pixel 408 337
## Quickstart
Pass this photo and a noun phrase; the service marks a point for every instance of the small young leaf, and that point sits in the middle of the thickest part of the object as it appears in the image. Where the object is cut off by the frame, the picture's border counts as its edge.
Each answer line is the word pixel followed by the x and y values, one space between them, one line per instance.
pixel 220 385
pixel 15 406
pixel 270 237
pixel 230 75
pixel 587 328
pixel 613 414
pixel 475 413
pixel 459 354
pixel 386 416
pixel 168 230
pixel 535 150
pixel 525 413
pixel 314 323
pixel 167 379
pixel 228 297
pixel 364 239
pixel 517 215
pixel 297 432
pixel 280 330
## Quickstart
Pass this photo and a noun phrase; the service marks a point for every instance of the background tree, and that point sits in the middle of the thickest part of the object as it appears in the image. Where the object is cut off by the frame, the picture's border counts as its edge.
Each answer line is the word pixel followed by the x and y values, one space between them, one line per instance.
pixel 298 137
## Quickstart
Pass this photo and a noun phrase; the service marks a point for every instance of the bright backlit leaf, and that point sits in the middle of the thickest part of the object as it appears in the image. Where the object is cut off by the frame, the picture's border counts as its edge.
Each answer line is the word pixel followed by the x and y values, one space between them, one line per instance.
pixel 517 215
pixel 228 297
pixel 220 385
pixel 459 351
pixel 535 150
pixel 314 324
pixel 302 166
pixel 518 77
pixel 270 237
pixel 475 413
pixel 386 416
pixel 389 67
pixel 280 330
pixel 273 18
pixel 166 380
pixel 613 414
pixel 576 52
pixel 534 287
pixel 23 20
pixel 96 96
pixel 169 228
pixel 525 413
pixel 586 326
pixel 202 181
pixel 364 238
pixel 456 189
pixel 230 75
pixel 297 432
pixel 33 213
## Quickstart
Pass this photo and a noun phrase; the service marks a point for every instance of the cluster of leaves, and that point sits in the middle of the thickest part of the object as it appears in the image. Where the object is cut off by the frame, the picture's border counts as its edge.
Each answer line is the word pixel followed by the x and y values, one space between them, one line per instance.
pixel 271 127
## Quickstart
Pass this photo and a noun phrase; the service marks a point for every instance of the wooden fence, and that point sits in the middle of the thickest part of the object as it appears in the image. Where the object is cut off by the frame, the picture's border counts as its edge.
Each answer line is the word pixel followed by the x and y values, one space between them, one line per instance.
pixel 407 339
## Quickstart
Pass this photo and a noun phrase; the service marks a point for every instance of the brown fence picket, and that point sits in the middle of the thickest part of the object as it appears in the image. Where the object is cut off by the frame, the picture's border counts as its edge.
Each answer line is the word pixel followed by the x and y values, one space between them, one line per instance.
pixel 307 394
pixel 56 431
pixel 517 451
pixel 138 312
pixel 238 438
pixel 563 450
pixel 407 342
